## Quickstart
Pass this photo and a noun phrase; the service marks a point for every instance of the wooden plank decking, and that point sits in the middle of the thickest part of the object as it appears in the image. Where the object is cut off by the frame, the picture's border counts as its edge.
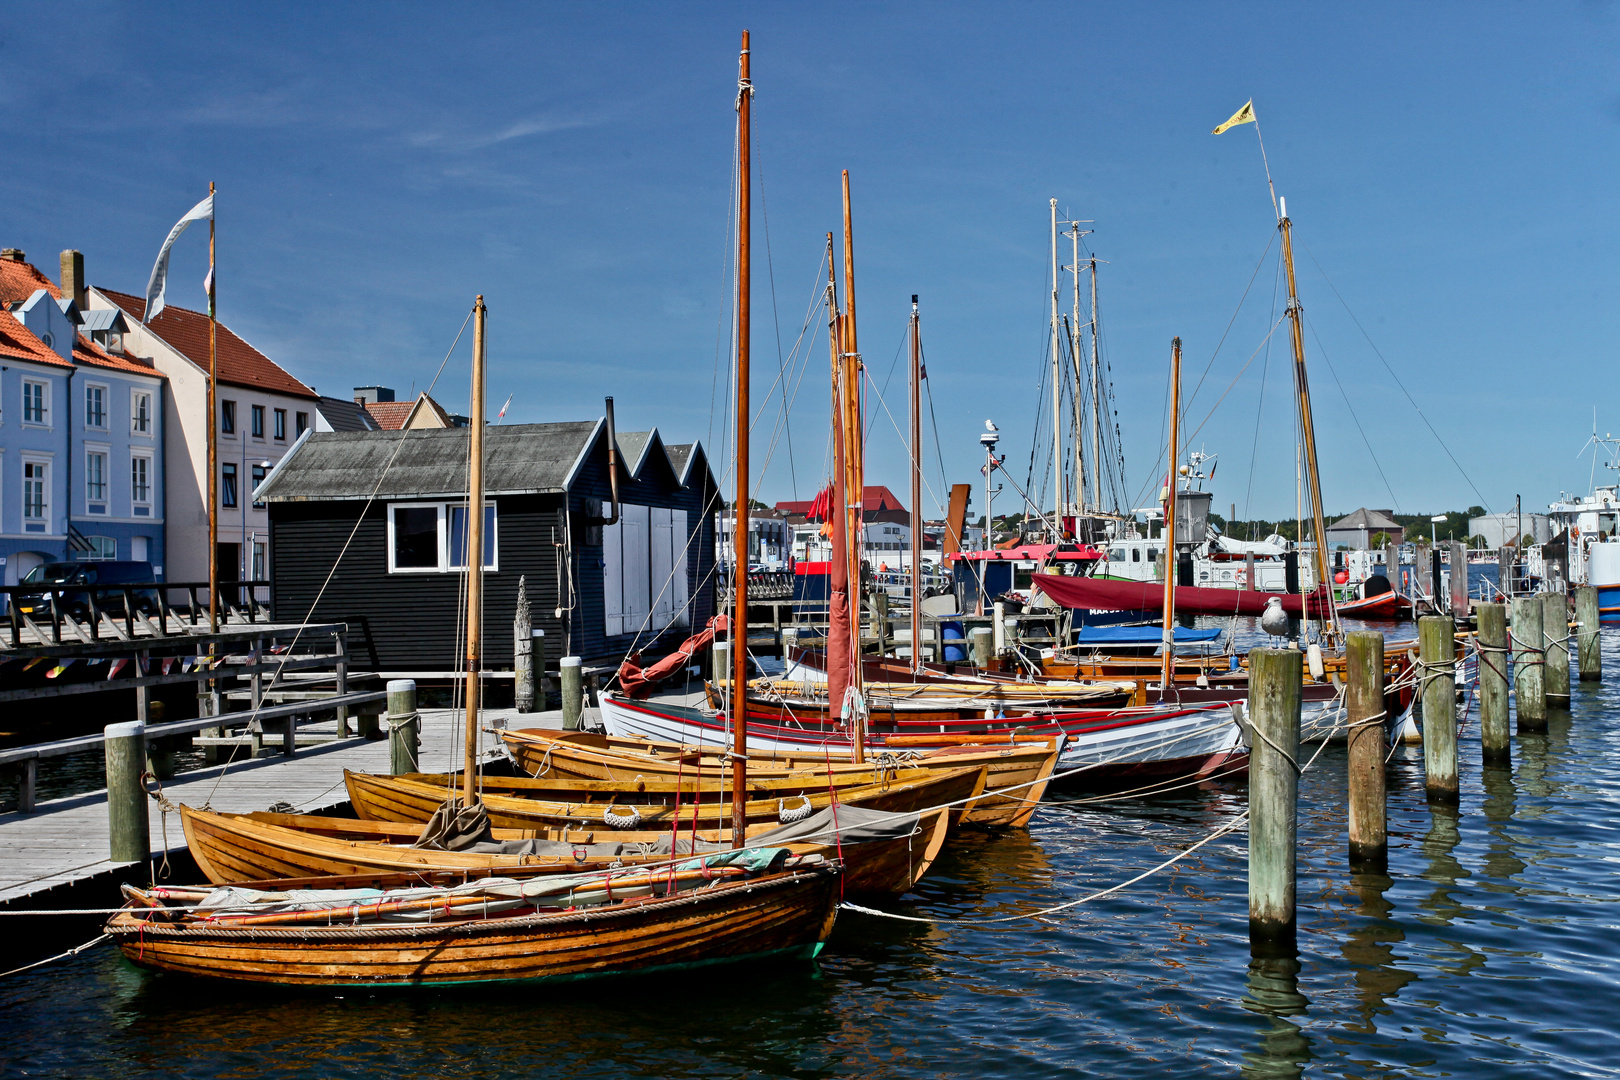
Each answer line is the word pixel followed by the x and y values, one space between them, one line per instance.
pixel 66 840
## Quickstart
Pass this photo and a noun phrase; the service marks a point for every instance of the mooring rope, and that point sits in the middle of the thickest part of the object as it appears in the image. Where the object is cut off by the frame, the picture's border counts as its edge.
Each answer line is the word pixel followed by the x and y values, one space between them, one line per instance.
pixel 75 951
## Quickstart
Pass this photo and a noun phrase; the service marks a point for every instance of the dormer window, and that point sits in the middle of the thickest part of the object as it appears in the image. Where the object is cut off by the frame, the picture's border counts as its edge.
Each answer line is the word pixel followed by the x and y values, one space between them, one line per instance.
pixel 115 341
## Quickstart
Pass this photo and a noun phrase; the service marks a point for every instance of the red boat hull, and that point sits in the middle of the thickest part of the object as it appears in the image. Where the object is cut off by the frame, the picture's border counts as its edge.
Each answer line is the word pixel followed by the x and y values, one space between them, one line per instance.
pixel 1103 595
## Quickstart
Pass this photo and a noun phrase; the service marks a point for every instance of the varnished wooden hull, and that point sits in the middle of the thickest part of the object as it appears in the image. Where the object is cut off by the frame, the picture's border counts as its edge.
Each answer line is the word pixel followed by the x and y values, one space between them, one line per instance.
pixel 235 848
pixel 395 798
pixel 1022 768
pixel 785 914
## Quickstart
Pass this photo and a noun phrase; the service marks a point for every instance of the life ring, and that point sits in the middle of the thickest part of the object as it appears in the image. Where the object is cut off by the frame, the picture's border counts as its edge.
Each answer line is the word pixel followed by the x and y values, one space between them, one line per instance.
pixel 614 817
pixel 1241 577
pixel 788 816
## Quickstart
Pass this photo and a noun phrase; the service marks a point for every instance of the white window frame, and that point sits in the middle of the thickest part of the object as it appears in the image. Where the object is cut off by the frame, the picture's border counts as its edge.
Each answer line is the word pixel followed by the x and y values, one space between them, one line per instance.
pixel 106 396
pixel 494 565
pixel 442 520
pixel 96 555
pixel 44 386
pixel 95 450
pixel 146 456
pixel 45 515
pixel 135 397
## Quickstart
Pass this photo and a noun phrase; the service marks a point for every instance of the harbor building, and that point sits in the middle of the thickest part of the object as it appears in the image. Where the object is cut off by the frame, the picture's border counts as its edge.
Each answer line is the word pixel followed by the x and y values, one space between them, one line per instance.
pixel 369 527
pixel 82 456
pixel 1356 530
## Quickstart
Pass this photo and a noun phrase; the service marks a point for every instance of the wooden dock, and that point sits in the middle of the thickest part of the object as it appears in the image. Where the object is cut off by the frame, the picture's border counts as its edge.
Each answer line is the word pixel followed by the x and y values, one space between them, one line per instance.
pixel 65 841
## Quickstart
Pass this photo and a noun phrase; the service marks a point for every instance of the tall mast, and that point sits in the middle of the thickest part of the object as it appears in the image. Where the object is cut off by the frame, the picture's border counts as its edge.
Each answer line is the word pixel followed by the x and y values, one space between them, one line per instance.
pixel 473 552
pixel 838 644
pixel 855 485
pixel 739 541
pixel 1167 675
pixel 1302 389
pixel 1057 395
pixel 916 490
pixel 840 651
pixel 1096 398
pixel 1078 427
pixel 213 433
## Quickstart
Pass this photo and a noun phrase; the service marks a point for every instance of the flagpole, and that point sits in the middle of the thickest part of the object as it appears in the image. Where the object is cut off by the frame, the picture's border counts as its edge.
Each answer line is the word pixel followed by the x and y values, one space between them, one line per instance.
pixel 1267 164
pixel 213 441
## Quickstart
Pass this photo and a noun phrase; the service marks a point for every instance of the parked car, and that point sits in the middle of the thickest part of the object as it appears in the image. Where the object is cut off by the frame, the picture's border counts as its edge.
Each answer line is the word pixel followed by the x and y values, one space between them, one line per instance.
pixel 103 575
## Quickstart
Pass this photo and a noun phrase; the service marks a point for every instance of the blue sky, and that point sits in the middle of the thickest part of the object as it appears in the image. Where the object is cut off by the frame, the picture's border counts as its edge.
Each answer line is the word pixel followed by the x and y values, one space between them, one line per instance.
pixel 1450 166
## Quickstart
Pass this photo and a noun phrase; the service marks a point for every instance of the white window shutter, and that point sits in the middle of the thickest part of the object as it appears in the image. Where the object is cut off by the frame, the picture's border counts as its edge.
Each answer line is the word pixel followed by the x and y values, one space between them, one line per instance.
pixel 613 577
pixel 679 591
pixel 637 572
pixel 663 566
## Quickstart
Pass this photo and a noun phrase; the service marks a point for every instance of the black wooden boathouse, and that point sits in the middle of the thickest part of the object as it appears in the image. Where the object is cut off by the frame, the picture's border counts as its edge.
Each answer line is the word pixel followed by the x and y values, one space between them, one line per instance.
pixel 383 515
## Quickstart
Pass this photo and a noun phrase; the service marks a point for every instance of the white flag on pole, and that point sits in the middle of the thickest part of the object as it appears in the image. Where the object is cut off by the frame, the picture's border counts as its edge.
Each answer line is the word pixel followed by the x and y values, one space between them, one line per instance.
pixel 203 211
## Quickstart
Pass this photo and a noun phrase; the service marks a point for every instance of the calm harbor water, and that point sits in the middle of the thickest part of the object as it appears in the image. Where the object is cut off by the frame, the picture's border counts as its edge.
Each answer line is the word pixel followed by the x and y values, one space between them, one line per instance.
pixel 1485 951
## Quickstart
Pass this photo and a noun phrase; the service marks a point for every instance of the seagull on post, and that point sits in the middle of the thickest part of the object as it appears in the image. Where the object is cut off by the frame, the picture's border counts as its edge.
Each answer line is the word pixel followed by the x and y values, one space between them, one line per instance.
pixel 1274 620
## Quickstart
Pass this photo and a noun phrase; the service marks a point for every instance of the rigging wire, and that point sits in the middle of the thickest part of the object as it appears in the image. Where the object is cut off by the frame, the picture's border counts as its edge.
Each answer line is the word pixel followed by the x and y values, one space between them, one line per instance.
pixel 1394 376
pixel 776 319
pixel 1352 410
pixel 1259 410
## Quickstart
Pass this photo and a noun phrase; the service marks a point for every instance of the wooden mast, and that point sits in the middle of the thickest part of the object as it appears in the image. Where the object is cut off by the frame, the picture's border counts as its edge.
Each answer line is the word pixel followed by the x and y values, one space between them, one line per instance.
pixel 739 515
pixel 473 552
pixel 916 490
pixel 840 649
pixel 1302 389
pixel 855 469
pixel 213 433
pixel 1166 677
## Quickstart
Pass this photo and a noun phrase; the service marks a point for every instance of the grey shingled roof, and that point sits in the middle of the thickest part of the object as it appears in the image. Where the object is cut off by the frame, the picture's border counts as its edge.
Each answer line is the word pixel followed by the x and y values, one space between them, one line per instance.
pixel 632 444
pixel 1366 519
pixel 346 415
pixel 519 459
pixel 678 457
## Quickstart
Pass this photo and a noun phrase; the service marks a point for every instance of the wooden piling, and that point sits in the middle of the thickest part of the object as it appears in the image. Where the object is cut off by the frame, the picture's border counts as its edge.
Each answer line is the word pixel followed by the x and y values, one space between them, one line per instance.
pixel 404 728
pixel 983 647
pixel 522 651
pixel 1437 652
pixel 573 692
pixel 880 620
pixel 127 823
pixel 1459 581
pixel 1364 699
pixel 1590 641
pixel 1529 675
pixel 1274 694
pixel 1555 646
pixel 1493 682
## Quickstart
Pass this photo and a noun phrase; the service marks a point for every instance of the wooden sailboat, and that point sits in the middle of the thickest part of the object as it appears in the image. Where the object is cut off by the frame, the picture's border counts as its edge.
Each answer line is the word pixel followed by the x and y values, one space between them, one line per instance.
pixel 232 848
pixel 403 798
pixel 1018 770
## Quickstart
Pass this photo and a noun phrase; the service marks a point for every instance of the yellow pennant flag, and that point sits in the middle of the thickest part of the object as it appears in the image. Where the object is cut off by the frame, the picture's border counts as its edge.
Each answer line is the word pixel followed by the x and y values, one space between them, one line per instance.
pixel 1244 115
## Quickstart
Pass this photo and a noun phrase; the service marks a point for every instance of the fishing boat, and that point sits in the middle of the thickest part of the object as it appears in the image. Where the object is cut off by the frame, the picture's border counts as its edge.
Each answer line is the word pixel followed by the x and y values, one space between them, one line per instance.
pixel 882 854
pixel 1018 770
pixel 553 928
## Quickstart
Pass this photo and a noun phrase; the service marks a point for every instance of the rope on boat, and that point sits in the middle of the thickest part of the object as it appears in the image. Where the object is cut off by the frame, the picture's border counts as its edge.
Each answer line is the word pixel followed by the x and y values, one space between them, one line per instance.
pixel 1231 826
pixel 75 951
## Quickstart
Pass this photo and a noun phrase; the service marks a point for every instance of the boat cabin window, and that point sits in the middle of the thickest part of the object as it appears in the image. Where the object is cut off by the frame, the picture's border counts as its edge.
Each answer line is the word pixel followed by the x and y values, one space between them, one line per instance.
pixel 1117 554
pixel 1136 554
pixel 1153 554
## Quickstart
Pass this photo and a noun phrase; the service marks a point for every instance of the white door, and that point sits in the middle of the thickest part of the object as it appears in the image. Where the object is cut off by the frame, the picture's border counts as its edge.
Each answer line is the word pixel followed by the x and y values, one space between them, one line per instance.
pixel 678 586
pixel 637 569
pixel 662 554
pixel 613 577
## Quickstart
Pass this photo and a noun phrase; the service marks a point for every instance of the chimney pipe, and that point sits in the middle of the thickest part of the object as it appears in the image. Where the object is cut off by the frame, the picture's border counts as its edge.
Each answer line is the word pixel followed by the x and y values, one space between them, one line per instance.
pixel 13 255
pixel 73 277
pixel 613 464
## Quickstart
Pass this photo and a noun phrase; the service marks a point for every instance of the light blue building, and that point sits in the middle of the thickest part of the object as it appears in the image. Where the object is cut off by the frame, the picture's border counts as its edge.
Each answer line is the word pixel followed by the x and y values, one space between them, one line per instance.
pixel 81 431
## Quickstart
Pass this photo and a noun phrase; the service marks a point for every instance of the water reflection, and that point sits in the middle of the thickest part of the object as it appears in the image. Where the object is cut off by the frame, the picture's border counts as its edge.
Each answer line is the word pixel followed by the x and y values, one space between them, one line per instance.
pixel 1369 948
pixel 1443 868
pixel 1272 991
pixel 1499 806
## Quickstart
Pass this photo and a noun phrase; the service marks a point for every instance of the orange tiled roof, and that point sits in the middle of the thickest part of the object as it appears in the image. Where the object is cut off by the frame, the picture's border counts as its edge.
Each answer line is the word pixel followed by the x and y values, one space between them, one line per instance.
pixel 240 364
pixel 88 352
pixel 20 280
pixel 17 340
pixel 390 415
